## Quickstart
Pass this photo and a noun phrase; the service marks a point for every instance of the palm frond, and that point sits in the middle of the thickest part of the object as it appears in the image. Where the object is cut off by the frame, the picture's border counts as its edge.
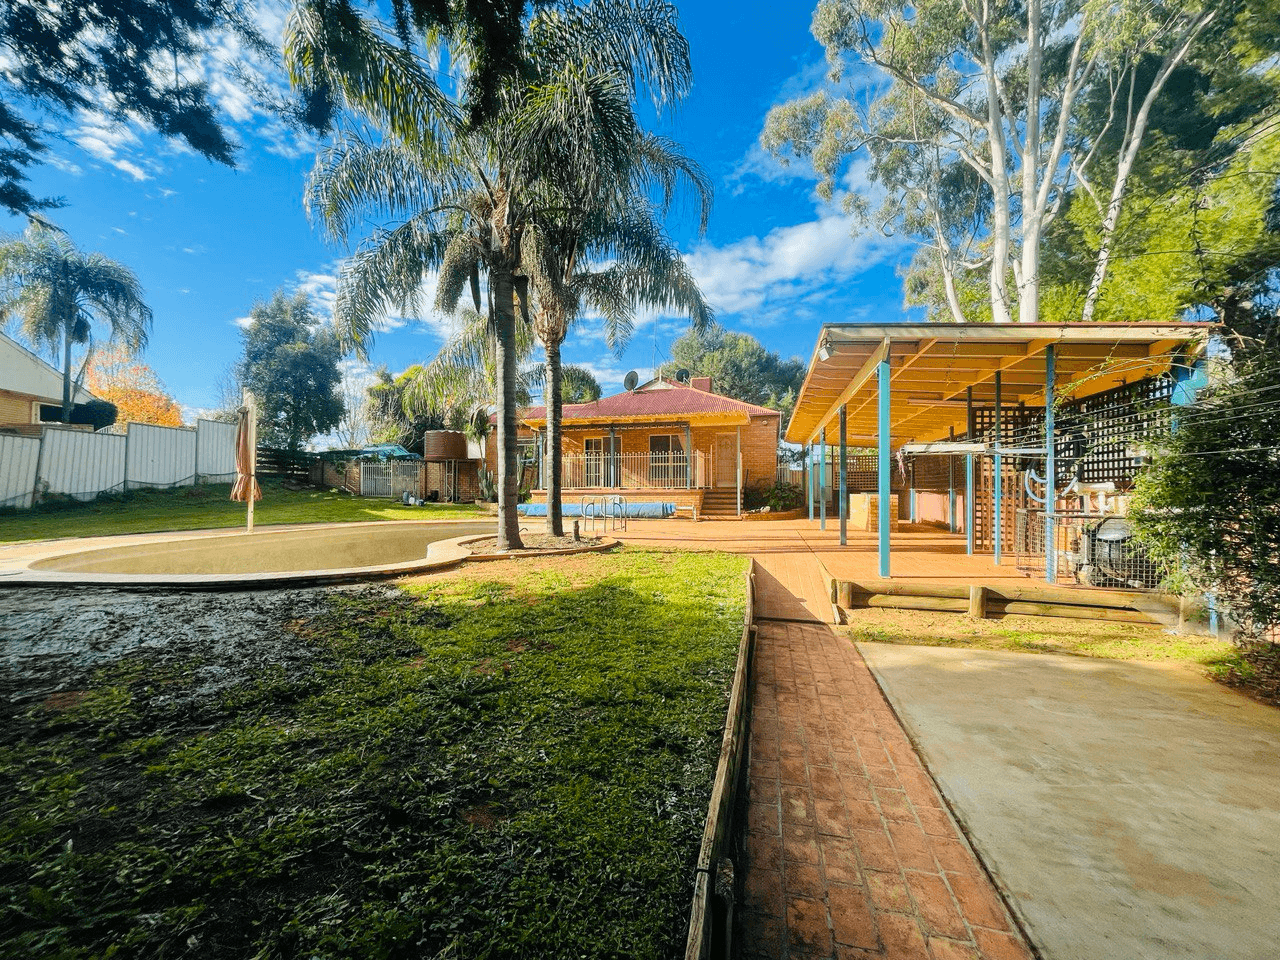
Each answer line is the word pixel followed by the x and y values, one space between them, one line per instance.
pixel 329 46
pixel 388 271
pixel 354 179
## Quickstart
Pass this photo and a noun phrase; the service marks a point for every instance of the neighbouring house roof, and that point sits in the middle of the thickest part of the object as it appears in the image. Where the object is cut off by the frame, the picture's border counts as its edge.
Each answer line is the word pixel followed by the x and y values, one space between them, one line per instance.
pixel 934 369
pixel 676 402
pixel 21 371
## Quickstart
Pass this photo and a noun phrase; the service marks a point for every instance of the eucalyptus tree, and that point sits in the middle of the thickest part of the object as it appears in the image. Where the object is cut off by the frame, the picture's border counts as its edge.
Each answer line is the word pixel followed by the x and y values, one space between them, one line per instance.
pixel 58 294
pixel 463 192
pixel 996 90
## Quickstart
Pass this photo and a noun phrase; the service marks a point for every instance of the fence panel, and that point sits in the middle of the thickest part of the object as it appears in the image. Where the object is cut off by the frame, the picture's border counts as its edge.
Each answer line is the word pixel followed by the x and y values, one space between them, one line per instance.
pixel 19 460
pixel 215 451
pixel 81 464
pixel 160 456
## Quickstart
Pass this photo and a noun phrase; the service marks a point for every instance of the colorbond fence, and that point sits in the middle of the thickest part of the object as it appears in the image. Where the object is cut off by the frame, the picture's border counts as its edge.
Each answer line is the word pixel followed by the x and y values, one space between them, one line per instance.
pixel 79 464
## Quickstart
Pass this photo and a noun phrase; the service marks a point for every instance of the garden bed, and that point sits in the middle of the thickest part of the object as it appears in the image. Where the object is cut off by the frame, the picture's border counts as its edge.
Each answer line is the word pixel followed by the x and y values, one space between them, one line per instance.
pixel 513 761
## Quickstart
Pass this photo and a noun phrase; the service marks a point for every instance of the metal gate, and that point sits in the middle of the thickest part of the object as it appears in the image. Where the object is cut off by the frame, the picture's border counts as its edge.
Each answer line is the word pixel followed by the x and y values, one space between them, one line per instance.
pixel 391 480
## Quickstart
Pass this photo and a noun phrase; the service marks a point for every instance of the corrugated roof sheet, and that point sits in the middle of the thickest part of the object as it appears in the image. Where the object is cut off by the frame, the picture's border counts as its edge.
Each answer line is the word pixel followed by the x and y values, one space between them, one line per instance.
pixel 676 401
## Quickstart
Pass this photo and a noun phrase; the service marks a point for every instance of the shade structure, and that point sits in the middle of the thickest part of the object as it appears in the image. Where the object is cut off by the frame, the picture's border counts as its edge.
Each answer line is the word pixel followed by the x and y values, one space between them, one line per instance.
pixel 935 367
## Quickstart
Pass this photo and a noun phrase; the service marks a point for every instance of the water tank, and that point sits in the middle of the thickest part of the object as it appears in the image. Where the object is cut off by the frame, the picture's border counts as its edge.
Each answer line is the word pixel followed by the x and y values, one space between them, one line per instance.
pixel 440 445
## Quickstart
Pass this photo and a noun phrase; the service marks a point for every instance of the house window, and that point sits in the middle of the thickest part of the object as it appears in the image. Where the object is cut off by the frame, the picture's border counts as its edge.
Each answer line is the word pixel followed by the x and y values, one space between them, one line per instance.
pixel 668 465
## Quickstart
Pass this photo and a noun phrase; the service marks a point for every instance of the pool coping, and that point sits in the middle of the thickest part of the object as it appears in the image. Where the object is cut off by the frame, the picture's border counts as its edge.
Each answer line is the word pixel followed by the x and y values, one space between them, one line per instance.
pixel 16 561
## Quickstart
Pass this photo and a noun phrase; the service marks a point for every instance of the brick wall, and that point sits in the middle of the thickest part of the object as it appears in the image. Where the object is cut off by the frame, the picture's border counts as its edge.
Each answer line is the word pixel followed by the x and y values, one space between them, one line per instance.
pixel 759 444
pixel 15 408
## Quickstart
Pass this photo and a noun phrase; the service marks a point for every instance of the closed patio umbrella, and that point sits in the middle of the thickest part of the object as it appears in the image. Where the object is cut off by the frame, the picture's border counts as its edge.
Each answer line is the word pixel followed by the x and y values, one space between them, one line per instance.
pixel 246 486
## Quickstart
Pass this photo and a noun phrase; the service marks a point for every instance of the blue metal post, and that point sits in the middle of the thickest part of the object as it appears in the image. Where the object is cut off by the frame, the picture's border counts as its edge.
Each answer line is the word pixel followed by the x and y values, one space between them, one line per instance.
pixel 1050 469
pixel 912 495
pixel 951 493
pixel 882 461
pixel 808 471
pixel 822 480
pixel 969 532
pixel 844 480
pixel 996 522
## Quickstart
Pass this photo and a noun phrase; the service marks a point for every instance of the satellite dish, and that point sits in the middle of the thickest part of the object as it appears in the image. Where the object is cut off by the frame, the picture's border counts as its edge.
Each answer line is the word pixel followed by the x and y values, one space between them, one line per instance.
pixel 631 381
pixel 682 375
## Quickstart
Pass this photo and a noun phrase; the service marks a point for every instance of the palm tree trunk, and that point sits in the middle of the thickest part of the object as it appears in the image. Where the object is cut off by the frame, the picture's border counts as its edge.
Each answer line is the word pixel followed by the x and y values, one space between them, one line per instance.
pixel 66 374
pixel 555 509
pixel 504 311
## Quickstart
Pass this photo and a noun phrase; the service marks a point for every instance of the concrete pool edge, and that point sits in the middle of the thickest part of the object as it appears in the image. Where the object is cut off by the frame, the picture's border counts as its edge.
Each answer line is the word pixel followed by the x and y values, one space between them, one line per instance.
pixel 20 563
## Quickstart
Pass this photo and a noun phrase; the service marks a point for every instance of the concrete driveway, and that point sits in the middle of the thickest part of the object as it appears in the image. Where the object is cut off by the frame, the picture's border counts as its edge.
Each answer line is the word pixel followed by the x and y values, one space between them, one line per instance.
pixel 1128 811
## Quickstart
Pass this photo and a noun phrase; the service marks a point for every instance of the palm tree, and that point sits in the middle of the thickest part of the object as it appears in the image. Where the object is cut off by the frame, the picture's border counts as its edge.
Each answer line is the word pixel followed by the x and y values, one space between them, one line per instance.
pixel 465 194
pixel 611 265
pixel 577 385
pixel 58 295
pixel 577 121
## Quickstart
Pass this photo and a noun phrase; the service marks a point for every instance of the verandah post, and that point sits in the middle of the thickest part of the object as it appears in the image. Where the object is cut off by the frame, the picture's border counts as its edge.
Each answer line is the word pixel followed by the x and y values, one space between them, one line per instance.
pixel 809 476
pixel 969 532
pixel 996 522
pixel 822 480
pixel 844 480
pixel 1050 469
pixel 882 461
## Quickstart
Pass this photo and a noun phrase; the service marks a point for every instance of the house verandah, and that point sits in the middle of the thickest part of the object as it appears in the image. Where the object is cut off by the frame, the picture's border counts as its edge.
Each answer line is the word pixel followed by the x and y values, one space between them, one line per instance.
pixel 664 441
pixel 1019 440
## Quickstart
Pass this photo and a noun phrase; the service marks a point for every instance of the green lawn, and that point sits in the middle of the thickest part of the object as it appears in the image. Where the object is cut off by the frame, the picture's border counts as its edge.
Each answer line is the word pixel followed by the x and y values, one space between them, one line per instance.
pixel 207 506
pixel 1086 638
pixel 505 761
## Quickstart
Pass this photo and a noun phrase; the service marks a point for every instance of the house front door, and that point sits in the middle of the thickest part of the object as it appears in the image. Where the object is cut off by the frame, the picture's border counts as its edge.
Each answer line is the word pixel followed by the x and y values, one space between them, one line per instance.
pixel 726 456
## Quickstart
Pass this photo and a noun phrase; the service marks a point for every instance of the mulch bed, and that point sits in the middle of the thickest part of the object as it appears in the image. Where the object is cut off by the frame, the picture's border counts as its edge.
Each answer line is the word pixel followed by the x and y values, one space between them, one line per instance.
pixel 534 541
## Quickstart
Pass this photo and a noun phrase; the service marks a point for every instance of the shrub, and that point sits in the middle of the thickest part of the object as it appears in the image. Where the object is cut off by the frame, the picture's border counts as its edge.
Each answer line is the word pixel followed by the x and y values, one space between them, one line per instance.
pixel 780 496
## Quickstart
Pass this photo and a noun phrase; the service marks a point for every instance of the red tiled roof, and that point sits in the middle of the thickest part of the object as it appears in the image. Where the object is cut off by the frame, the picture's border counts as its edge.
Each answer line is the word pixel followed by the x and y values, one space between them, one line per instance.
pixel 676 401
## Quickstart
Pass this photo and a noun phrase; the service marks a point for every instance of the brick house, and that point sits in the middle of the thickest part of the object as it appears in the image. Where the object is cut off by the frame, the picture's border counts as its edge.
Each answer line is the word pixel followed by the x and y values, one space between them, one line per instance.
pixel 674 442
pixel 31 391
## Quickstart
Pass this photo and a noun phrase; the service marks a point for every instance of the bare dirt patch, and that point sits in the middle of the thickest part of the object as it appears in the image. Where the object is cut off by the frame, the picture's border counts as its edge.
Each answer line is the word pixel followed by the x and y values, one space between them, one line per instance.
pixel 53 640
pixel 533 541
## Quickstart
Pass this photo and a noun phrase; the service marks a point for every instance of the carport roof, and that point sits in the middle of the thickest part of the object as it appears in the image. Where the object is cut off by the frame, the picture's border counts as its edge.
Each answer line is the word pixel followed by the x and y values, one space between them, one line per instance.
pixel 934 365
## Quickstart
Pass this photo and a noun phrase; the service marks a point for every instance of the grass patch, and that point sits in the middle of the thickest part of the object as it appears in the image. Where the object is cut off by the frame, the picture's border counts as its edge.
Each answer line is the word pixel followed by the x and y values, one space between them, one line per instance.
pixel 1084 638
pixel 205 507
pixel 512 763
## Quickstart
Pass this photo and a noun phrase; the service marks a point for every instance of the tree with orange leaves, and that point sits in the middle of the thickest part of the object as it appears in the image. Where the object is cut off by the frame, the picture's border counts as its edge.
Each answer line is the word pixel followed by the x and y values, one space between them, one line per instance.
pixel 119 377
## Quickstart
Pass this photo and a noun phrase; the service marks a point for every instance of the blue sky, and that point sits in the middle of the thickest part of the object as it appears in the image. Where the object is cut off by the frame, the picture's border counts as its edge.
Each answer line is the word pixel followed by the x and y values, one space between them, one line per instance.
pixel 207 241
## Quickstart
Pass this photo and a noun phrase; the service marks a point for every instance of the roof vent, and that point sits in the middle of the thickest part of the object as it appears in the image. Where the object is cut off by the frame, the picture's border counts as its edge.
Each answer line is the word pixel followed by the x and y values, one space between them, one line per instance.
pixel 631 381
pixel 682 376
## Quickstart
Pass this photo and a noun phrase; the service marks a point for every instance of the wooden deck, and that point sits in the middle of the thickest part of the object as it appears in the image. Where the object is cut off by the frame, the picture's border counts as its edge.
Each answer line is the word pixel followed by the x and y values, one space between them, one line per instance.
pixel 796 558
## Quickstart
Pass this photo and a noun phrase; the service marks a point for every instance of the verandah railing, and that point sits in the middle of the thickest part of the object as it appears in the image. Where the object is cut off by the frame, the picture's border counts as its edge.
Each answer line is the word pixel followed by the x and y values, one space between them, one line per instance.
pixel 635 471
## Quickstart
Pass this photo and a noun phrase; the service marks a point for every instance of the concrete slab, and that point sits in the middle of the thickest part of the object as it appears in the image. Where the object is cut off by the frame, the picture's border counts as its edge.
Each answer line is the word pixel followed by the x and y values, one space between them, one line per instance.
pixel 1129 811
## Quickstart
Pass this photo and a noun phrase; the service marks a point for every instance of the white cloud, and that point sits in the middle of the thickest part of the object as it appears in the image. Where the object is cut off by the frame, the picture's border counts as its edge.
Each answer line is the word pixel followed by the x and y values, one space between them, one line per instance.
pixel 244 323
pixel 112 142
pixel 65 165
pixel 762 277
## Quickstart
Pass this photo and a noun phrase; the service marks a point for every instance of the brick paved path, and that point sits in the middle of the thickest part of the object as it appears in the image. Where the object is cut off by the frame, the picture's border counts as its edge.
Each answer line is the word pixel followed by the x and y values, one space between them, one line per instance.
pixel 849 850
